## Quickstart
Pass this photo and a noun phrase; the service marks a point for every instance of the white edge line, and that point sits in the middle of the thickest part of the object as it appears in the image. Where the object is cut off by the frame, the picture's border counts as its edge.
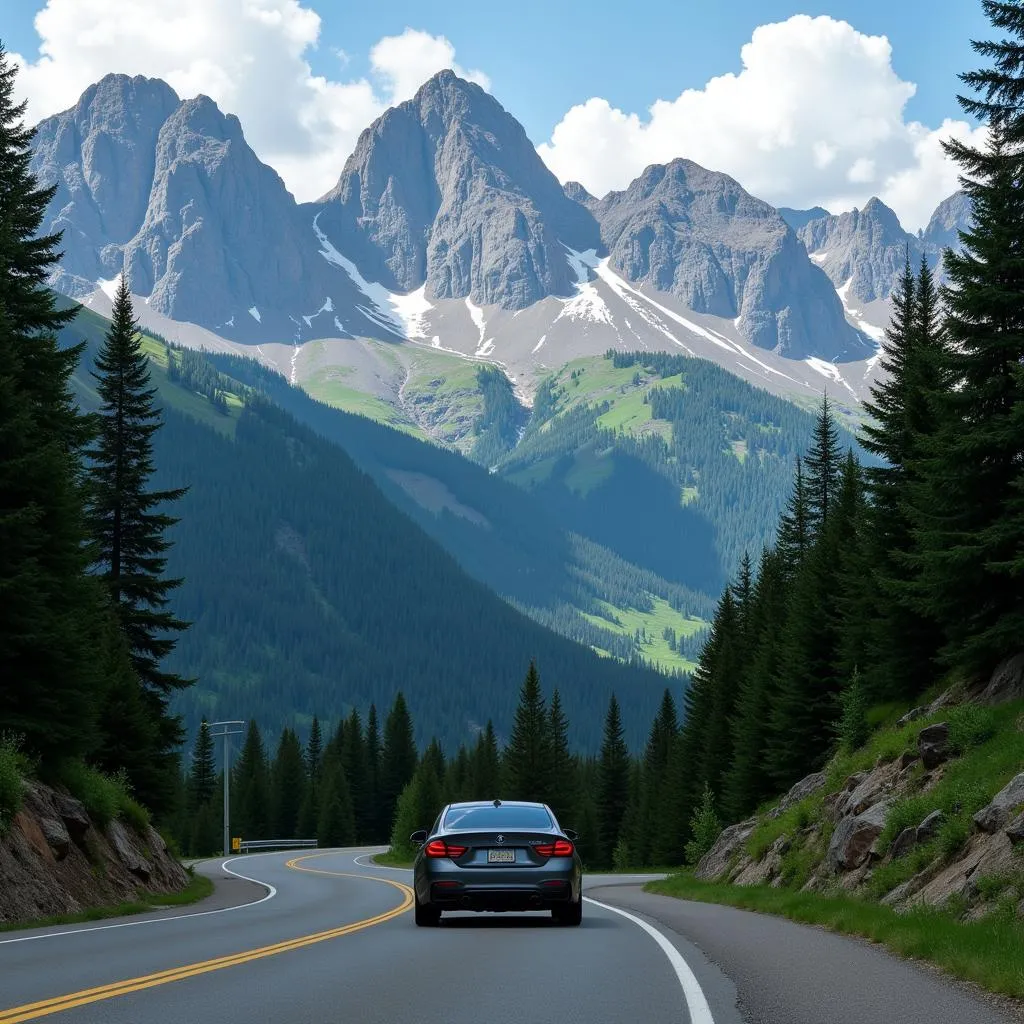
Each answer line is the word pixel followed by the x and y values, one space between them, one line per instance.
pixel 696 1003
pixel 271 893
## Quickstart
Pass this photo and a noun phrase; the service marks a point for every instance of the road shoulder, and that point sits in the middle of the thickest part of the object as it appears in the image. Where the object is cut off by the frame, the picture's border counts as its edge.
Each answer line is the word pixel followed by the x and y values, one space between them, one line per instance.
pixel 804 975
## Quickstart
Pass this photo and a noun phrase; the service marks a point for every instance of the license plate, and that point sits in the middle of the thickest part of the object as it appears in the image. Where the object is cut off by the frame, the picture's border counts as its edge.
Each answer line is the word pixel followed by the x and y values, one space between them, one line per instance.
pixel 501 856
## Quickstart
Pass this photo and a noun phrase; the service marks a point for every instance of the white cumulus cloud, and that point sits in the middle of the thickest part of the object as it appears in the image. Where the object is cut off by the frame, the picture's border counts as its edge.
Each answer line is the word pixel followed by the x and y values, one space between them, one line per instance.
pixel 250 56
pixel 815 116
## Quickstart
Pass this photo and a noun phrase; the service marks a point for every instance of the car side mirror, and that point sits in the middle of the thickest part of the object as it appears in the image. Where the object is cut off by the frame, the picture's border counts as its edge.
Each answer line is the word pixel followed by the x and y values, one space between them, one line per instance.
pixel 419 837
pixel 571 834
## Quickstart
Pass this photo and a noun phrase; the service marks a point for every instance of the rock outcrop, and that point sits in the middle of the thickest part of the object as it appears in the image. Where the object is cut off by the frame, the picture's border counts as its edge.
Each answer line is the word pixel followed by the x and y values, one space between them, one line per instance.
pixel 55 860
pixel 844 836
pixel 700 236
pixel 447 190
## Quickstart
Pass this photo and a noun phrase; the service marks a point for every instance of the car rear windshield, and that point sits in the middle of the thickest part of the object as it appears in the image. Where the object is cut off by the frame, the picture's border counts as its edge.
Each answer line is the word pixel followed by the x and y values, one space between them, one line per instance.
pixel 489 817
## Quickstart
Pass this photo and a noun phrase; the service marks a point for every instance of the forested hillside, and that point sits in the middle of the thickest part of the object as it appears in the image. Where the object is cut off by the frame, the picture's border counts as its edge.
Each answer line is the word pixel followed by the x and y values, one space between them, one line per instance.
pixel 673 463
pixel 310 593
pixel 505 537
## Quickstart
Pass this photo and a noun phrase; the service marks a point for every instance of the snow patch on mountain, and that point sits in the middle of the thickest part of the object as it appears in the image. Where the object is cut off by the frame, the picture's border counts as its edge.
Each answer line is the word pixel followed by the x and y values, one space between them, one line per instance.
pixel 537 347
pixel 255 314
pixel 401 314
pixel 871 330
pixel 109 288
pixel 485 345
pixel 587 303
pixel 327 307
pixel 830 370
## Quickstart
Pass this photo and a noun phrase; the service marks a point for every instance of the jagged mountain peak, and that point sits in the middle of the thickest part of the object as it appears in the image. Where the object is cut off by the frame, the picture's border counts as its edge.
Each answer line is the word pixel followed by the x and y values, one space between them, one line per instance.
pixel 446 190
pixel 700 236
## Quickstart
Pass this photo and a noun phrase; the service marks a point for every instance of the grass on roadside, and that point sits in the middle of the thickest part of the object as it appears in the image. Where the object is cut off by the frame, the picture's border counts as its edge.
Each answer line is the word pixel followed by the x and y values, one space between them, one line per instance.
pixel 393 859
pixel 198 888
pixel 988 952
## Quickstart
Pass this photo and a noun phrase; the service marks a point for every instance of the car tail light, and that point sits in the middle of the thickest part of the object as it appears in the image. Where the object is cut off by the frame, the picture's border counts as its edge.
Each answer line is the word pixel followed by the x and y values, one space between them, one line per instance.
pixel 559 848
pixel 439 848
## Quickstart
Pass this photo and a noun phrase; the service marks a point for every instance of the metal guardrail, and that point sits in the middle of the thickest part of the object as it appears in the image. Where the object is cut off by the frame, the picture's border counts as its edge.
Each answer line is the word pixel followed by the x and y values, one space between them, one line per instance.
pixel 251 845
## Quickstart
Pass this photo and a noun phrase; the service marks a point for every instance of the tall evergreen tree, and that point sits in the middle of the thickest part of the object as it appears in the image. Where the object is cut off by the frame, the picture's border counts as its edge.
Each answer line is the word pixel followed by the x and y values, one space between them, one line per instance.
pixel 250 788
pixel 746 783
pixel 378 828
pixel 398 758
pixel 612 782
pixel 528 755
pixel 794 540
pixel 288 786
pixel 128 529
pixel 562 796
pixel 202 776
pixel 970 526
pixel 314 751
pixel 353 758
pixel 486 765
pixel 653 780
pixel 336 826
pixel 48 607
pixel 823 465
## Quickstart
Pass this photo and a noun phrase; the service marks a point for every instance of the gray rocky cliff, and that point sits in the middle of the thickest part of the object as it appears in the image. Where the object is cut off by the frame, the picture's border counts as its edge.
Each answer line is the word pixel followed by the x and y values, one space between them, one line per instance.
pixel 698 235
pixel 447 190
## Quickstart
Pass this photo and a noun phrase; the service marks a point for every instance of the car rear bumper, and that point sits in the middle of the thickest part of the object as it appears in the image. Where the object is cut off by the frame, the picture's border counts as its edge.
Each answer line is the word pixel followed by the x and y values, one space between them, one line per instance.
pixel 543 895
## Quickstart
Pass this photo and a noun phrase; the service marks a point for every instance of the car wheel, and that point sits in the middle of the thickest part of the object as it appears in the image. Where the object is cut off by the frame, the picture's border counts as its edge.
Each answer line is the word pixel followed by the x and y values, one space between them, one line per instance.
pixel 426 916
pixel 571 914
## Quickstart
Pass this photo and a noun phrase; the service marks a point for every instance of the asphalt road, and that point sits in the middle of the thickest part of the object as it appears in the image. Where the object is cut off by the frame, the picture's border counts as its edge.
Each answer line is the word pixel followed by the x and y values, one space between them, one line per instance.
pixel 328 937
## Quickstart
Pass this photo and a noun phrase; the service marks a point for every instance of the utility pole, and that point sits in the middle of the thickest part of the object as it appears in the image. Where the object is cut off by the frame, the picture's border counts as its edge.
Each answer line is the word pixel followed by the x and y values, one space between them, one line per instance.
pixel 227 729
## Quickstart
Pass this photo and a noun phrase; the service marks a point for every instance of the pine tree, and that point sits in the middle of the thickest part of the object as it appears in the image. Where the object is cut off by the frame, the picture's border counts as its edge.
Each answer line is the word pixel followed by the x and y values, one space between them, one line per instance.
pixel 902 643
pixel 794 540
pixel 612 782
pixel 528 755
pixel 562 797
pixel 704 828
pixel 250 788
pixel 377 827
pixel 48 606
pixel 353 759
pixel 823 465
pixel 746 783
pixel 288 785
pixel 202 776
pixel 398 759
pixel 969 527
pixel 128 530
pixel 314 751
pixel 653 779
pixel 486 765
pixel 336 826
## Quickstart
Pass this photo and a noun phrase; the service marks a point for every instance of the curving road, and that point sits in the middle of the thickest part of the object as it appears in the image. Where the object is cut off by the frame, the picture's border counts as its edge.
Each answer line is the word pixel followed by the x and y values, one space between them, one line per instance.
pixel 327 937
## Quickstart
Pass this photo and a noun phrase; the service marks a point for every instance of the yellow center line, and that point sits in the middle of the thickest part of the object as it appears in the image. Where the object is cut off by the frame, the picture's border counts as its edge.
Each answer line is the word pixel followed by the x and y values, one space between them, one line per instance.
pixel 45 1007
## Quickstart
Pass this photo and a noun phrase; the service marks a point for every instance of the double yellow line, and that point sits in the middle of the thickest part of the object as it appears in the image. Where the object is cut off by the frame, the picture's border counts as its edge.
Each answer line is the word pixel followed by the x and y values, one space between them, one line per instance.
pixel 45 1007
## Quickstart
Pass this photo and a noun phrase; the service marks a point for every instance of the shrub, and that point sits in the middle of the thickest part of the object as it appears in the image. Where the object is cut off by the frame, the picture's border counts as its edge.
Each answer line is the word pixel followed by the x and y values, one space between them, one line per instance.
pixel 11 787
pixel 105 797
pixel 970 725
pixel 705 828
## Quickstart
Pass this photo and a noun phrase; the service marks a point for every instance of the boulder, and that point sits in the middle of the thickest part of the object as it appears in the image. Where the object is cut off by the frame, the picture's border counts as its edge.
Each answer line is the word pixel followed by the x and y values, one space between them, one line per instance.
pixel 911 716
pixel 985 855
pixel 933 744
pixel 1004 803
pixel 929 826
pixel 870 789
pixel 124 848
pixel 903 843
pixel 1007 682
pixel 716 861
pixel 767 869
pixel 853 837
pixel 56 836
pixel 72 813
pixel 1015 830
pixel 808 785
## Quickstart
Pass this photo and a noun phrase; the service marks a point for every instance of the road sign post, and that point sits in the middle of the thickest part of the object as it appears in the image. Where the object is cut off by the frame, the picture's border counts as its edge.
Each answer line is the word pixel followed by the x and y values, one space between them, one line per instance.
pixel 227 729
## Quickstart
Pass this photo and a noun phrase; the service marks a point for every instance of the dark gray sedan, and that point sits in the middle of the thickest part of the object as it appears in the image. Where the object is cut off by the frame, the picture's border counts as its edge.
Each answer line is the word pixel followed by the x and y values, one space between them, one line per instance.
pixel 497 855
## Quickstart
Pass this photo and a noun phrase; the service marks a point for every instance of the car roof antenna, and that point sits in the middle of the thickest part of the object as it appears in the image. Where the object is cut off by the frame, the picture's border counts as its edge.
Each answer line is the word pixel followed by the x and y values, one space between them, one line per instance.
pixel 497 803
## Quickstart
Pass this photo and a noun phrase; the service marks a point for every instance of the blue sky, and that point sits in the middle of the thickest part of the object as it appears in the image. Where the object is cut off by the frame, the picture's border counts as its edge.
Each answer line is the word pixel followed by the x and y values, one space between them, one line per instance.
pixel 544 56
pixel 542 59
